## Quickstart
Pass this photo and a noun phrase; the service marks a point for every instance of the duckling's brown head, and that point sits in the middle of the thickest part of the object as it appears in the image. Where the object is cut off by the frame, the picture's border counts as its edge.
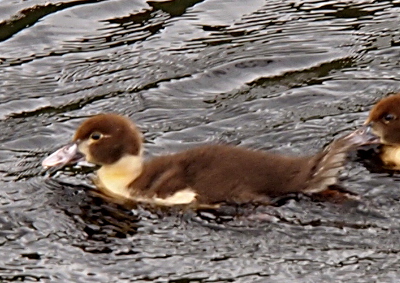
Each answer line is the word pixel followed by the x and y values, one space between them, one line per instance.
pixel 103 139
pixel 384 119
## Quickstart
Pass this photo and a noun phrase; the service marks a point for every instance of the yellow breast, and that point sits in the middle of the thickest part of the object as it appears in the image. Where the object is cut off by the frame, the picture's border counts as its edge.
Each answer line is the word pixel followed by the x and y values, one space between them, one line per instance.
pixel 390 155
pixel 115 178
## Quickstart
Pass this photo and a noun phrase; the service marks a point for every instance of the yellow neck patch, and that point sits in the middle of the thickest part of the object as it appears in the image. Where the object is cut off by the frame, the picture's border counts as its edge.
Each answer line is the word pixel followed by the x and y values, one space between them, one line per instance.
pixel 391 156
pixel 115 178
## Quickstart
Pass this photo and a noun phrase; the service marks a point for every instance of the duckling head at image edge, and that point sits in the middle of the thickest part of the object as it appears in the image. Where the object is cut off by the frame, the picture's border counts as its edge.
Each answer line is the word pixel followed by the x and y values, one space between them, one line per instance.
pixel 384 120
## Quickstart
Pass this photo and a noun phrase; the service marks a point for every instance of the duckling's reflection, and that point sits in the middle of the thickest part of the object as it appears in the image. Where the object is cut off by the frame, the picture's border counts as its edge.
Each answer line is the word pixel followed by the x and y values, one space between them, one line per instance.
pixel 99 217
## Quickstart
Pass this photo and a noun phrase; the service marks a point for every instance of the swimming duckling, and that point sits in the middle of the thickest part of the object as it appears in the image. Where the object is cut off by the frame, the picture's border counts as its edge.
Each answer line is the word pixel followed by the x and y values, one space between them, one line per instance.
pixel 206 175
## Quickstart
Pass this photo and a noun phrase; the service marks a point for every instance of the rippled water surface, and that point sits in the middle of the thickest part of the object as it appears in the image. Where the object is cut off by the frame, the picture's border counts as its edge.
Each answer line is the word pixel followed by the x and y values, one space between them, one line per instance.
pixel 288 76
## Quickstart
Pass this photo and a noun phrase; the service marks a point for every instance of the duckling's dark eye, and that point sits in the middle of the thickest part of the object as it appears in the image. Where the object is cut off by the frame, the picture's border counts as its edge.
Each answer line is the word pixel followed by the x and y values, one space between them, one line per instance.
pixel 388 117
pixel 96 136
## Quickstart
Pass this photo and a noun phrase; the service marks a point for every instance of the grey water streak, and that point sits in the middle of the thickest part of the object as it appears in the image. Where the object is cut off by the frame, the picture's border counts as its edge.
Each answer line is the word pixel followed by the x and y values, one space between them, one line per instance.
pixel 29 16
pixel 287 76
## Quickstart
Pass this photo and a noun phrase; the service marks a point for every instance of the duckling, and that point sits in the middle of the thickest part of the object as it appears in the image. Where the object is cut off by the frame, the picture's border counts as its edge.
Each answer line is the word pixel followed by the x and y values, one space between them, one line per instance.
pixel 205 175
pixel 384 120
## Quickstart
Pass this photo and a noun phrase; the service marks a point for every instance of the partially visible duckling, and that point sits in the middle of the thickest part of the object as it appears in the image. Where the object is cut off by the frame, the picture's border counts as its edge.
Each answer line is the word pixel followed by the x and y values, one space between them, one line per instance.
pixel 206 175
pixel 384 120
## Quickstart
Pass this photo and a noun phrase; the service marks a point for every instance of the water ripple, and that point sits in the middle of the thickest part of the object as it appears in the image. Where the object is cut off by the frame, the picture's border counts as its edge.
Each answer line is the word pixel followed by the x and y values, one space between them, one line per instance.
pixel 287 76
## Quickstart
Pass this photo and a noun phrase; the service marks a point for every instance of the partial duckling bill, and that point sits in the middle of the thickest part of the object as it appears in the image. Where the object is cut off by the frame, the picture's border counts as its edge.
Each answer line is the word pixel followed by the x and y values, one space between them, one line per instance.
pixel 68 154
pixel 206 175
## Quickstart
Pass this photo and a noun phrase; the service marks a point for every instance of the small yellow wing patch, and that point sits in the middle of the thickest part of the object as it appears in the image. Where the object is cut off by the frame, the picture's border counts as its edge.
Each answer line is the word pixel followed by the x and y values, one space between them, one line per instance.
pixel 185 196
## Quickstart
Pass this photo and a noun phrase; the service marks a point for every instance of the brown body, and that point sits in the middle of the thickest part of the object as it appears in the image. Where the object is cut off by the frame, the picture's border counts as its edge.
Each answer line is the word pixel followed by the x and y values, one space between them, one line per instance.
pixel 384 119
pixel 219 173
pixel 206 175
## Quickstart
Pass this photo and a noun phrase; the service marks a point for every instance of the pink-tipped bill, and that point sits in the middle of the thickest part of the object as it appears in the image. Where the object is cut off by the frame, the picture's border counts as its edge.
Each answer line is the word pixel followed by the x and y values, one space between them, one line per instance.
pixel 66 155
pixel 363 136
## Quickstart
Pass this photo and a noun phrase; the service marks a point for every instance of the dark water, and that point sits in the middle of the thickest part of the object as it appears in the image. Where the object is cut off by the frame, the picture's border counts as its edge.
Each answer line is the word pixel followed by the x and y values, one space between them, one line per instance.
pixel 283 75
